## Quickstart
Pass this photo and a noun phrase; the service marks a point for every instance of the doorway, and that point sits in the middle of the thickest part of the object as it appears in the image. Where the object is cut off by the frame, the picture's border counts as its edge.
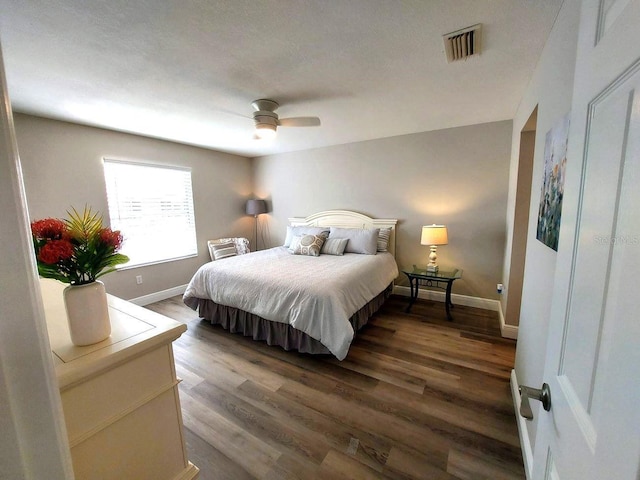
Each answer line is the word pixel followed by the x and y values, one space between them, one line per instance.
pixel 521 219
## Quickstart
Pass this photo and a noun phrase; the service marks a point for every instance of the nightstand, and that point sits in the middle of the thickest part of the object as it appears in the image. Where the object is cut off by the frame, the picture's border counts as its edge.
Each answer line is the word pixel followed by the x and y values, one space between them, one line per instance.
pixel 442 279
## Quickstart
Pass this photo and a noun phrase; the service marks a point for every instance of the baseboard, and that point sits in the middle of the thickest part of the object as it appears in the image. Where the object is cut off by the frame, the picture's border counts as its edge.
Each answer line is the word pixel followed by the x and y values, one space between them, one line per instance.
pixel 157 296
pixel 476 302
pixel 507 331
pixel 525 444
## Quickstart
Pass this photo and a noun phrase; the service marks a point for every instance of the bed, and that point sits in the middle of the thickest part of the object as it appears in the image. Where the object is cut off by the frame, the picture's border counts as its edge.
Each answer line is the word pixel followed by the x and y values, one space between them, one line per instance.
pixel 312 304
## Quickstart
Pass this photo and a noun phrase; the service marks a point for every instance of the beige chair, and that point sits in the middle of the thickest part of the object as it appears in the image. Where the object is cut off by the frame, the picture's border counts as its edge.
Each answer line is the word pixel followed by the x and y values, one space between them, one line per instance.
pixel 227 247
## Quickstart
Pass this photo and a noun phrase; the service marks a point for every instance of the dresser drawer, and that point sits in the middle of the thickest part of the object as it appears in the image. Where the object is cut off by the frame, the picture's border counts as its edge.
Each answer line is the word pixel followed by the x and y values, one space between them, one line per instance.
pixel 146 444
pixel 101 400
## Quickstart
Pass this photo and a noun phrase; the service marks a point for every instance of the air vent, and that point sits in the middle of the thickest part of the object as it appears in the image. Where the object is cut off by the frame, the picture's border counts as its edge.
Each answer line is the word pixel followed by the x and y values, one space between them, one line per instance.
pixel 462 44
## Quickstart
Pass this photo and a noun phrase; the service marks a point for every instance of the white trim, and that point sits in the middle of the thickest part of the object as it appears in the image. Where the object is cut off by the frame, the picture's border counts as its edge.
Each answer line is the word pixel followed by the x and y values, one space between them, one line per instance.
pixel 507 331
pixel 34 441
pixel 523 431
pixel 457 299
pixel 157 296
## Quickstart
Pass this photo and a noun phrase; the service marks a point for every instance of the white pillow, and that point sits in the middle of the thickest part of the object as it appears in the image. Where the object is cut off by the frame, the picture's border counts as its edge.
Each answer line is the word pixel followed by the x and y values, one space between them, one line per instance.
pixel 360 240
pixel 302 230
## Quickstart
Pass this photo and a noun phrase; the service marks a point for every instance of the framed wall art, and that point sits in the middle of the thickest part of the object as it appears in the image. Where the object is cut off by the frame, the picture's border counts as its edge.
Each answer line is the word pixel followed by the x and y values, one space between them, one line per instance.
pixel 552 191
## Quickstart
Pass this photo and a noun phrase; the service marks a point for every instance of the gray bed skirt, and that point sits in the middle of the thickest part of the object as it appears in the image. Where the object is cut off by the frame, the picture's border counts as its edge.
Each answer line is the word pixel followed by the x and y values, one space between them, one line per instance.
pixel 277 333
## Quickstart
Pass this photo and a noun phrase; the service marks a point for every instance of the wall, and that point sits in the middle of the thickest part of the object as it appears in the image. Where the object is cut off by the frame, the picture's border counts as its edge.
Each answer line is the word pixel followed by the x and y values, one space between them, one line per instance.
pixel 551 90
pixel 62 167
pixel 457 176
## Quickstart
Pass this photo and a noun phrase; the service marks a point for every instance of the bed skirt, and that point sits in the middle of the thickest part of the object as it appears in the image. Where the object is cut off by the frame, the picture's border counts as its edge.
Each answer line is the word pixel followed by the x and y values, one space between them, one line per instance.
pixel 278 333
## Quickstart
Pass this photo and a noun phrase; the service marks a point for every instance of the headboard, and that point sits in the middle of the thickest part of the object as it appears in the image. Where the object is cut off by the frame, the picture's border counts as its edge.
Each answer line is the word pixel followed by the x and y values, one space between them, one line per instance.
pixel 348 219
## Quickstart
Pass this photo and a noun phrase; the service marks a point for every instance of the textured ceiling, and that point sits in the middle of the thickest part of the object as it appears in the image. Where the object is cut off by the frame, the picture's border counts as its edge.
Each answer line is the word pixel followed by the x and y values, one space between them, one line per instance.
pixel 187 71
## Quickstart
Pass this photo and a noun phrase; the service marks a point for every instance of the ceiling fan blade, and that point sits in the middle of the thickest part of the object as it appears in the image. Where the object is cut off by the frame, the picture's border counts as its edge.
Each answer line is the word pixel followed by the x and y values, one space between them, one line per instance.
pixel 299 122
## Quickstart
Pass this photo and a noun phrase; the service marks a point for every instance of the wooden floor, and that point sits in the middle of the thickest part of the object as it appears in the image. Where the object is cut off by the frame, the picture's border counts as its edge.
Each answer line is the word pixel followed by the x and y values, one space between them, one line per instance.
pixel 416 398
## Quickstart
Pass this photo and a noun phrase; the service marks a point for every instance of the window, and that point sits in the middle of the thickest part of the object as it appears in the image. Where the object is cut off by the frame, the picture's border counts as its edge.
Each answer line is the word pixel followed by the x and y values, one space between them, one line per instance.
pixel 153 208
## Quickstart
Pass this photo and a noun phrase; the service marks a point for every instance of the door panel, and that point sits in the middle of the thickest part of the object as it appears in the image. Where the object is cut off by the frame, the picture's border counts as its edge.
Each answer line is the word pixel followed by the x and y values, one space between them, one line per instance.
pixel 609 118
pixel 609 12
pixel 593 350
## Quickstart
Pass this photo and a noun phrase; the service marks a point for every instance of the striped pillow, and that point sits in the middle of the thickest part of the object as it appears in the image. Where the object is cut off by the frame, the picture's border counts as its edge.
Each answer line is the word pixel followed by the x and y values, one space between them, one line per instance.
pixel 334 246
pixel 383 239
pixel 224 250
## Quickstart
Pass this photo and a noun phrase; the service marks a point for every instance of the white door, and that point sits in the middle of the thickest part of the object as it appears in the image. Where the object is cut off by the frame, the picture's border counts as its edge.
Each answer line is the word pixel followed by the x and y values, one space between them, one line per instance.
pixel 593 352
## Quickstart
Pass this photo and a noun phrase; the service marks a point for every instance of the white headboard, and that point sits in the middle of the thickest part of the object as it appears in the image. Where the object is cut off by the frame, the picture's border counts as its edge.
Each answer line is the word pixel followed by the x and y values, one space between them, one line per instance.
pixel 348 219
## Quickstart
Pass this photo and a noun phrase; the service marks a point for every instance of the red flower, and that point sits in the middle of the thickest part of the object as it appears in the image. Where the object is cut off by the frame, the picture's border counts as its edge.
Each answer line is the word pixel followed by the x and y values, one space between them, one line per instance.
pixel 112 238
pixel 49 228
pixel 77 250
pixel 54 251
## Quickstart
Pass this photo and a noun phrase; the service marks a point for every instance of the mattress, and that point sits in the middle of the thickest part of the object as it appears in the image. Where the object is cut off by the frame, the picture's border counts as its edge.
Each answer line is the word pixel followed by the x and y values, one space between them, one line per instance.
pixel 315 295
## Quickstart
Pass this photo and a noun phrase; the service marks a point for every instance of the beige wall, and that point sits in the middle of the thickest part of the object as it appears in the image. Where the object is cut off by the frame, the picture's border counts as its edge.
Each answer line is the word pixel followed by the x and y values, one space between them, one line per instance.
pixel 551 90
pixel 456 176
pixel 62 167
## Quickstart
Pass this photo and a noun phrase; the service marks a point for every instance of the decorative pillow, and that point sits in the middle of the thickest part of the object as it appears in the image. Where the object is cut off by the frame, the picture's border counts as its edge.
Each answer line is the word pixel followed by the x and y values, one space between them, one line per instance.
pixel 360 240
pixel 224 250
pixel 383 239
pixel 307 245
pixel 334 246
pixel 302 230
pixel 242 244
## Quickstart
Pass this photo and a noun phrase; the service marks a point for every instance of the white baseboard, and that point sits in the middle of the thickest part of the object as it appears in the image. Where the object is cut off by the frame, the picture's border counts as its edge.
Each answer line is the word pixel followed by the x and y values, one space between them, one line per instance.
pixel 507 331
pixel 477 302
pixel 157 296
pixel 525 444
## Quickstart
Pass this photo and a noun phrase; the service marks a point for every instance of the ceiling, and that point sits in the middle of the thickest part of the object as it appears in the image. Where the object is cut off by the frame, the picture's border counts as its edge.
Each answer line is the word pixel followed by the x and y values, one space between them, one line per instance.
pixel 187 71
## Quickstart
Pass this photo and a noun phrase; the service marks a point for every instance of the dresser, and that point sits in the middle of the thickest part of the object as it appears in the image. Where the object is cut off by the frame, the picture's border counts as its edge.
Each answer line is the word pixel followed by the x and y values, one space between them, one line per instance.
pixel 120 396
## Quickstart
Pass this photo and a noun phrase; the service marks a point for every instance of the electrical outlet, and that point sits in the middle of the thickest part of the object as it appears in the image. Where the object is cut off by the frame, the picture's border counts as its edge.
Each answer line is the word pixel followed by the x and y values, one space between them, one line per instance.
pixel 139 279
pixel 500 288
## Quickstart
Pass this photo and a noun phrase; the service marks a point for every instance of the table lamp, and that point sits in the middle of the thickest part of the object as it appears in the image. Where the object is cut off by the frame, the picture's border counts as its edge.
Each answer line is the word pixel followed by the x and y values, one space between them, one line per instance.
pixel 433 235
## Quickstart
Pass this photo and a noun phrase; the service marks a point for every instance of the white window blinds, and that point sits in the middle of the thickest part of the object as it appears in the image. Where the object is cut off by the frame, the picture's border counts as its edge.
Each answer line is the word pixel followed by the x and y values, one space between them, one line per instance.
pixel 153 208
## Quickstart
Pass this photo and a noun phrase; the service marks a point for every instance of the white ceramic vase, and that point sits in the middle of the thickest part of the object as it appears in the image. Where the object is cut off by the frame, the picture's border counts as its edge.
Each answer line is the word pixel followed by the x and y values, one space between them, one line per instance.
pixel 87 313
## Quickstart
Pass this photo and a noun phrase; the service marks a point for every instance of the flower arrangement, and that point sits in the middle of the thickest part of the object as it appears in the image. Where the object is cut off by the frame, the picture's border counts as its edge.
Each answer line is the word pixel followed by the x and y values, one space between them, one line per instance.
pixel 77 250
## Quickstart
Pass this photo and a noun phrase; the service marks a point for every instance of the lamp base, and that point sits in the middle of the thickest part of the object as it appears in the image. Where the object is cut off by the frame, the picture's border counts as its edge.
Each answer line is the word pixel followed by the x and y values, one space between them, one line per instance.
pixel 432 266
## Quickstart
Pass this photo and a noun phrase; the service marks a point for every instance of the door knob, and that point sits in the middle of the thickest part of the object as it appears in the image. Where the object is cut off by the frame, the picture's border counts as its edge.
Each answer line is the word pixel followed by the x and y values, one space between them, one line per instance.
pixel 541 394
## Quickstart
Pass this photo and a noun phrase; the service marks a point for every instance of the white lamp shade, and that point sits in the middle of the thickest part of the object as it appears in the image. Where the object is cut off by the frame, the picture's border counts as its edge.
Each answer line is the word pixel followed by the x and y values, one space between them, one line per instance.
pixel 434 235
pixel 256 207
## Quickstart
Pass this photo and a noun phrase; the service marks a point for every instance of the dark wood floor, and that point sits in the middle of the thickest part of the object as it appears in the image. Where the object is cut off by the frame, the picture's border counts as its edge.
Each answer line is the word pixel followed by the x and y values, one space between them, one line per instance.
pixel 416 398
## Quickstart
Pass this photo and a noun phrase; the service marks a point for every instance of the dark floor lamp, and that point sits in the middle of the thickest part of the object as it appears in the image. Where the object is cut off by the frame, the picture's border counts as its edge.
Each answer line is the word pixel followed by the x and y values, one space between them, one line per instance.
pixel 255 208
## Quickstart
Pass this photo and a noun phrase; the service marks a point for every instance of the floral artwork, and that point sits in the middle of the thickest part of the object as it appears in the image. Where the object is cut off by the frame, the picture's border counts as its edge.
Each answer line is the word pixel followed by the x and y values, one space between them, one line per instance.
pixel 555 161
pixel 77 250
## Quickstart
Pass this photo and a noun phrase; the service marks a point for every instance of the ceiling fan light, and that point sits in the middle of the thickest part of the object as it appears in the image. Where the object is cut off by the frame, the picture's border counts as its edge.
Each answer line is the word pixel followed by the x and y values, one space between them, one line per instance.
pixel 265 131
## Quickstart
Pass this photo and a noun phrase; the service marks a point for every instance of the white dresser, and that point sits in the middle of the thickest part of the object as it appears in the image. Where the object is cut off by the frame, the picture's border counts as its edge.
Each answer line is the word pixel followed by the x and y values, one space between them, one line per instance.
pixel 120 396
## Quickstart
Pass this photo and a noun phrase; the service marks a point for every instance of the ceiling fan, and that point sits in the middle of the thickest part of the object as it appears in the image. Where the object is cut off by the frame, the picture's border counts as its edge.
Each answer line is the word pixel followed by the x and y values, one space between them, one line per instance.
pixel 267 120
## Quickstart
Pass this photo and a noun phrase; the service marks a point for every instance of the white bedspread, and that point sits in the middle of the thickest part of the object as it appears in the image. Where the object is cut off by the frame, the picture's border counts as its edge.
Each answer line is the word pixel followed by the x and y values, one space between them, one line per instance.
pixel 316 295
